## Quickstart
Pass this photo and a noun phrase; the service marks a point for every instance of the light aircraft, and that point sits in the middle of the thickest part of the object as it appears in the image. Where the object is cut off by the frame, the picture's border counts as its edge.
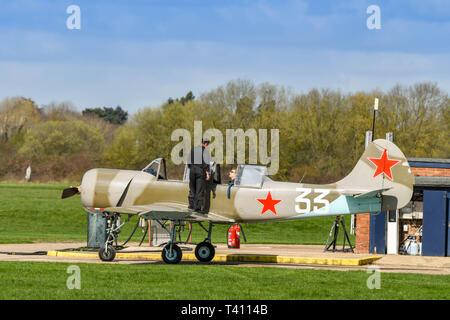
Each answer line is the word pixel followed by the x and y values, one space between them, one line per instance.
pixel 380 181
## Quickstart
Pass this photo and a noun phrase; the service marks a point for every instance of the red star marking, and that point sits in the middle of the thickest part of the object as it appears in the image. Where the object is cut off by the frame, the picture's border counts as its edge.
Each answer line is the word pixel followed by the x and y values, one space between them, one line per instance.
pixel 269 204
pixel 384 165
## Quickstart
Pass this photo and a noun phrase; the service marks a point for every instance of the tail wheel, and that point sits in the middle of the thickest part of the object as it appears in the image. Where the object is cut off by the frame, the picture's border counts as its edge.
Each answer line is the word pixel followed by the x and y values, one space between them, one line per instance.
pixel 204 252
pixel 107 253
pixel 172 255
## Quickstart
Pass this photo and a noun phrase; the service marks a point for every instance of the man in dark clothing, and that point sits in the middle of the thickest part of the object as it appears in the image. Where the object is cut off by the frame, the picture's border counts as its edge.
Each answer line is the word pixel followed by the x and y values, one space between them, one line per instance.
pixel 210 187
pixel 198 163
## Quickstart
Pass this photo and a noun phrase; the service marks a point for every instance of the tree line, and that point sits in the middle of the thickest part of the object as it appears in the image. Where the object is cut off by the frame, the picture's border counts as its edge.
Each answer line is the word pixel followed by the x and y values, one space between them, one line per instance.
pixel 321 132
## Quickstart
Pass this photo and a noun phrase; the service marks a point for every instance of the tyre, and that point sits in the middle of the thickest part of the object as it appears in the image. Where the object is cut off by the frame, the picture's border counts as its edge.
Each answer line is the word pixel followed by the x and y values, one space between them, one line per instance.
pixel 204 252
pixel 172 256
pixel 107 255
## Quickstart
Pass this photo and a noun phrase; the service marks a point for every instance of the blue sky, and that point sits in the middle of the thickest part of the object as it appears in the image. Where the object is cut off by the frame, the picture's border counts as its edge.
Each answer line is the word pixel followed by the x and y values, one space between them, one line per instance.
pixel 138 53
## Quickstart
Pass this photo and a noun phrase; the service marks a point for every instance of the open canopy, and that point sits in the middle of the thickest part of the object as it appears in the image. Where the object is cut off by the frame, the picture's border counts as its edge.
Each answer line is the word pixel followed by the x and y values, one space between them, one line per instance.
pixel 251 175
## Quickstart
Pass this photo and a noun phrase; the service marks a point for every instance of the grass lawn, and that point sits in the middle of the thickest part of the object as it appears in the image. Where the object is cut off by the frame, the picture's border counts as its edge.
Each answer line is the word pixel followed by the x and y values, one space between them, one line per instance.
pixel 36 213
pixel 40 280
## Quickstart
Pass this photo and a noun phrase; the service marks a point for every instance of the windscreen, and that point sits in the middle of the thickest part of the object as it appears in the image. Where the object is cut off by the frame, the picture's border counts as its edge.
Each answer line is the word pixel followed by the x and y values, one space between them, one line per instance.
pixel 250 176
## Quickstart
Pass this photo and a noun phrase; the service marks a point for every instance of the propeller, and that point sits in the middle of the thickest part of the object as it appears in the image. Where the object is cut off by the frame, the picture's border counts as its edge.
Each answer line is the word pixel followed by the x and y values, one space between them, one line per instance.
pixel 68 192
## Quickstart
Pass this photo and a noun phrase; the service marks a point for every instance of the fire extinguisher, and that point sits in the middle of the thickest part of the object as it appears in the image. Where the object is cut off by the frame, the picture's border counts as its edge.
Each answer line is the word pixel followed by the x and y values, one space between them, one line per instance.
pixel 234 237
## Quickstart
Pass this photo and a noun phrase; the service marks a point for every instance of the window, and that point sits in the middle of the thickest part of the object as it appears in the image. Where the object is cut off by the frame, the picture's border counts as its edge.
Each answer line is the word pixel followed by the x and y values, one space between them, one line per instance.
pixel 157 168
pixel 152 168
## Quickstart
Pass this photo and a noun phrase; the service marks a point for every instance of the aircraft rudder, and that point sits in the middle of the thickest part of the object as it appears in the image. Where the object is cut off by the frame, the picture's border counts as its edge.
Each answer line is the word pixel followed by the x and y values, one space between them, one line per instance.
pixel 382 166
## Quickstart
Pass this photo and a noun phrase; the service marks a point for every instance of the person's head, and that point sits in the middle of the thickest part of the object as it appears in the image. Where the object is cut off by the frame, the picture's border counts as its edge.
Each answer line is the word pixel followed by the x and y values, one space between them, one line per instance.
pixel 205 142
pixel 232 174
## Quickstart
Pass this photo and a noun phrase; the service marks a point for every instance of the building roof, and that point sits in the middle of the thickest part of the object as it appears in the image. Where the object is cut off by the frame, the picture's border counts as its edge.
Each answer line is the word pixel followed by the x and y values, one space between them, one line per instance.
pixel 429 163
pixel 421 181
pixel 434 160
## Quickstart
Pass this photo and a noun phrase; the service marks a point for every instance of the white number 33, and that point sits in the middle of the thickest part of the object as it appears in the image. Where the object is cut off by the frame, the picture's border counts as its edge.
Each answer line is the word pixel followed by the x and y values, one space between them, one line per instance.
pixel 319 200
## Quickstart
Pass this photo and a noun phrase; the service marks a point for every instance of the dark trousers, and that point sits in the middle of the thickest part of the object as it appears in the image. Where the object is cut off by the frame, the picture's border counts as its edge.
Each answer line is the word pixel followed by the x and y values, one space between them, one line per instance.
pixel 210 187
pixel 197 184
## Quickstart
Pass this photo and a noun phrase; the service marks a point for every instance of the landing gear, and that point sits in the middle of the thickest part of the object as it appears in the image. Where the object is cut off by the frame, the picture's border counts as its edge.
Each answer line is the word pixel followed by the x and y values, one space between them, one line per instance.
pixel 113 223
pixel 107 253
pixel 204 252
pixel 172 254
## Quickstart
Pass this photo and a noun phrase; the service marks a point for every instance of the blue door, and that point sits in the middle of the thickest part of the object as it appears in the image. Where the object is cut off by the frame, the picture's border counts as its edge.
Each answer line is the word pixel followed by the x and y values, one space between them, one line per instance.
pixel 435 223
pixel 377 242
pixel 448 225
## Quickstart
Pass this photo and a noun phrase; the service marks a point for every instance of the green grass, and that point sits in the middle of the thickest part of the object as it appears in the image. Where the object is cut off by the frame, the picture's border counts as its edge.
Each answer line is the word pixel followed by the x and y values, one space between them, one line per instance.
pixel 36 213
pixel 40 280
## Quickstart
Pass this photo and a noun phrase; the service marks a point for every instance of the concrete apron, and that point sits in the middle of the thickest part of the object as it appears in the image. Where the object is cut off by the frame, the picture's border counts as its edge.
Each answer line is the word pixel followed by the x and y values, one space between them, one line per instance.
pixel 293 256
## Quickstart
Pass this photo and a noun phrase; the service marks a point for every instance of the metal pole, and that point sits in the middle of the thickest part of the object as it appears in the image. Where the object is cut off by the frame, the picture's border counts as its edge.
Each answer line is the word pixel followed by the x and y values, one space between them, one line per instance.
pixel 375 109
pixel 369 138
pixel 149 232
pixel 392 228
pixel 390 136
pixel 373 124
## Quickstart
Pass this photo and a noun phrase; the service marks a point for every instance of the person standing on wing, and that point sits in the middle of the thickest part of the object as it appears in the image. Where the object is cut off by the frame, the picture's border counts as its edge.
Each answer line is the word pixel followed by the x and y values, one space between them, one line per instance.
pixel 198 163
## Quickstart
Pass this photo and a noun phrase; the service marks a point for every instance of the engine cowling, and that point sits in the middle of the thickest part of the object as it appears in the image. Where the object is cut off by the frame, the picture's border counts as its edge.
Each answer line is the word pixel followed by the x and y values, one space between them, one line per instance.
pixel 101 188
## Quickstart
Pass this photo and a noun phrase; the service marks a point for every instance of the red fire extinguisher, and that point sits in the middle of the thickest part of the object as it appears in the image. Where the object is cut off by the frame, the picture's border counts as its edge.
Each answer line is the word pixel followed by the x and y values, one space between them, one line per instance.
pixel 234 236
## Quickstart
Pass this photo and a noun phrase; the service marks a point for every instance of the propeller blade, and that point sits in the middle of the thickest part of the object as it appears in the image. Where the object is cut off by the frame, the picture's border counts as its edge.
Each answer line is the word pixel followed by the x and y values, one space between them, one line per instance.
pixel 68 192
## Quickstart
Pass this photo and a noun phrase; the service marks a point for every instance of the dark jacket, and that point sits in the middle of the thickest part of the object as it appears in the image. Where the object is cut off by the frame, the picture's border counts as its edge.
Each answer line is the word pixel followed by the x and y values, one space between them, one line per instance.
pixel 199 156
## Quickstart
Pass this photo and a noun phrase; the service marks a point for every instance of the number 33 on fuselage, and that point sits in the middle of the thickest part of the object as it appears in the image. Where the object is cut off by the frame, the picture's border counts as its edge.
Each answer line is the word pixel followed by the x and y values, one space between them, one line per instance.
pixel 302 198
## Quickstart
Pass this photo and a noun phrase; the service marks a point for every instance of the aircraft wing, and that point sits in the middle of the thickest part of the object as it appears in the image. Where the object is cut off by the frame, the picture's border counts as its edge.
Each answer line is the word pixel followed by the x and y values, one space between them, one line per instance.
pixel 169 211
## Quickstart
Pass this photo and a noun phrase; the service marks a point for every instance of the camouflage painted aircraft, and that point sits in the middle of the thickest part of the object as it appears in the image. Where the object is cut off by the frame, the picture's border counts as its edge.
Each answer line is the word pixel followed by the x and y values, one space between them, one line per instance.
pixel 380 181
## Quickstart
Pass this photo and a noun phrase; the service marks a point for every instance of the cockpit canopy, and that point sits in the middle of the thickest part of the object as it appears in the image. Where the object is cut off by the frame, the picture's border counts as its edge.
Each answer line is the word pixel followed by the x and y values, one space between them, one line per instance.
pixel 251 176
pixel 246 176
pixel 157 168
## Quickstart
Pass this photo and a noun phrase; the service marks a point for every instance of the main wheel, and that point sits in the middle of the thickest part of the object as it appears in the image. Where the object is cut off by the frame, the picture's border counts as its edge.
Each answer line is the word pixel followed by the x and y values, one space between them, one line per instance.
pixel 172 256
pixel 205 252
pixel 107 254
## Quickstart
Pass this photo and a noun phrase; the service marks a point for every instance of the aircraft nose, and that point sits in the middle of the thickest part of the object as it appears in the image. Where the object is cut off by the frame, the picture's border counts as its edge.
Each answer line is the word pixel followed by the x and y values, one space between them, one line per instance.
pixel 88 188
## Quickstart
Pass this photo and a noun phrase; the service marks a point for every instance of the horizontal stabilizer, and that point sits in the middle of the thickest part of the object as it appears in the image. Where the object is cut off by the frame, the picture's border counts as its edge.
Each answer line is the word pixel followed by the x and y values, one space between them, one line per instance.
pixel 372 194
pixel 365 193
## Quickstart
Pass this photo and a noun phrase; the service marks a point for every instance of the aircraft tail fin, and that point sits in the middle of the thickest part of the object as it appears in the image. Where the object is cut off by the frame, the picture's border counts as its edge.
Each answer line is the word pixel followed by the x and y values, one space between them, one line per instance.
pixel 383 171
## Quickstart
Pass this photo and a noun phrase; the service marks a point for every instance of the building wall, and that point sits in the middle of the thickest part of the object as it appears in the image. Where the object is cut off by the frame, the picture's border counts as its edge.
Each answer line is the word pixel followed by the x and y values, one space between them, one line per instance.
pixel 431 172
pixel 362 236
